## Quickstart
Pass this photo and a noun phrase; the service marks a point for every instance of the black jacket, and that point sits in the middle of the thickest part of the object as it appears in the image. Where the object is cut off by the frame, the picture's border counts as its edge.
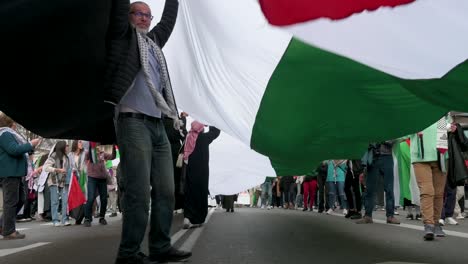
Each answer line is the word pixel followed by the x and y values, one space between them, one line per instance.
pixel 458 145
pixel 123 58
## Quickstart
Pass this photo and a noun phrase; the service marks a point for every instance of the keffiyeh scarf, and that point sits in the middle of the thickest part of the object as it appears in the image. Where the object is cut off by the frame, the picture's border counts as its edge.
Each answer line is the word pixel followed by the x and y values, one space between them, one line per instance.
pixel 165 103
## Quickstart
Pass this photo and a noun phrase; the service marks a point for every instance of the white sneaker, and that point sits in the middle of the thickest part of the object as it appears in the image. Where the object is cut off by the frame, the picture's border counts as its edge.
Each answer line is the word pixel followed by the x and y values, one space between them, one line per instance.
pixel 460 217
pixel 269 207
pixel 451 221
pixel 263 207
pixel 330 211
pixel 67 223
pixel 345 211
pixel 441 222
pixel 187 223
pixel 57 224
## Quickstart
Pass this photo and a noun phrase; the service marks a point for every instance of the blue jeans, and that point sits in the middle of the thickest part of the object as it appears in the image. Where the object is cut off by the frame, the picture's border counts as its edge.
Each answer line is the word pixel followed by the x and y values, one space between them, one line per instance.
pixel 55 191
pixel 336 189
pixel 146 173
pixel 382 166
pixel 101 186
pixel 450 198
pixel 266 190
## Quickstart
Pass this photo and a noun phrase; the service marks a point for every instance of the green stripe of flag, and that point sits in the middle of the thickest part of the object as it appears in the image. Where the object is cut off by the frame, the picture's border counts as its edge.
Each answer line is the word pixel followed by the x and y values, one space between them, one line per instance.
pixel 319 105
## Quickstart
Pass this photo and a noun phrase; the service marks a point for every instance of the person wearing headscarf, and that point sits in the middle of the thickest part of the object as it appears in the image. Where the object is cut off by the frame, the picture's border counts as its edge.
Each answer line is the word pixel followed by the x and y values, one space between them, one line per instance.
pixel 196 156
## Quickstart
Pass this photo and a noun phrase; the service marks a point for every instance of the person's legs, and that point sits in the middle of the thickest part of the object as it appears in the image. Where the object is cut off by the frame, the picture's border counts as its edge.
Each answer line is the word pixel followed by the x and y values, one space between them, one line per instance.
pixel 27 202
pixel 307 194
pixel 459 193
pixel 292 195
pixel 332 191
pixel 54 203
pixel 64 193
pixel 312 191
pixel 439 180
pixel 92 182
pixel 162 198
pixel 11 201
pixel 102 189
pixel 135 146
pixel 113 202
pixel 371 181
pixel 270 193
pixel 388 179
pixel 449 201
pixel 264 194
pixel 348 192
pixel 357 193
pixel 423 172
pixel 341 194
pixel 321 193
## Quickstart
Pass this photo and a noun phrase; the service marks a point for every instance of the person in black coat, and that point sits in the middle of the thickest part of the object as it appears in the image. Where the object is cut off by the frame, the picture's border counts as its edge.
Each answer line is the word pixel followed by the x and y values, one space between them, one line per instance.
pixel 176 138
pixel 197 157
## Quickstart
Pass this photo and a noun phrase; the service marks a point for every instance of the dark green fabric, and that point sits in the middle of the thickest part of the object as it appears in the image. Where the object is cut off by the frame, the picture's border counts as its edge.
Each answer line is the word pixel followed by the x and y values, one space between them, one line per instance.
pixel 402 153
pixel 319 106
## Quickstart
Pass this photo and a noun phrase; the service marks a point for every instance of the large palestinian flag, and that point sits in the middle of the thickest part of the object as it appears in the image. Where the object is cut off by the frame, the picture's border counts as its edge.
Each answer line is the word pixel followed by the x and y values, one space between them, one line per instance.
pixel 322 88
pixel 308 89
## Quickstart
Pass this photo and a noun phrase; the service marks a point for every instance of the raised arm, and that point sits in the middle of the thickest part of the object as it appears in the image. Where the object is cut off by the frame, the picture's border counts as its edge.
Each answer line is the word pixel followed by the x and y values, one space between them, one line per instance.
pixel 162 31
pixel 213 133
pixel 118 21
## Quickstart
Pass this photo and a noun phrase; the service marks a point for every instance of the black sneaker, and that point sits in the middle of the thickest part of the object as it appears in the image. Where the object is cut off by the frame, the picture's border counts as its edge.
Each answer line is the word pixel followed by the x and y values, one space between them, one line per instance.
pixel 410 217
pixel 172 255
pixel 305 209
pixel 140 258
pixel 349 214
pixel 102 221
pixel 419 217
pixel 428 232
pixel 356 216
pixel 87 223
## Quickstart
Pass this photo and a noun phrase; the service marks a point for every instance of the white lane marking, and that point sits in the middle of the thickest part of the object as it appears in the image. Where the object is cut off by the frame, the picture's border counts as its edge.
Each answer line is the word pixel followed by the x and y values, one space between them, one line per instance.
pixel 8 251
pixel 192 239
pixel 22 229
pixel 47 224
pixel 177 236
pixel 415 227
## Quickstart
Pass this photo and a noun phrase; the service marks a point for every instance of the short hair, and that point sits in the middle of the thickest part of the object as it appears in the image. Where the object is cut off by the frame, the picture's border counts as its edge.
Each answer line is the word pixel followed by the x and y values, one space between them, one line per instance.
pixel 5 121
pixel 137 3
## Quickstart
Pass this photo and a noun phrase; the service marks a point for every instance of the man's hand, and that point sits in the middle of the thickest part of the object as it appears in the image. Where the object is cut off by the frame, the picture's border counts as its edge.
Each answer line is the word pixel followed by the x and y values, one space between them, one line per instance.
pixel 35 142
pixel 453 128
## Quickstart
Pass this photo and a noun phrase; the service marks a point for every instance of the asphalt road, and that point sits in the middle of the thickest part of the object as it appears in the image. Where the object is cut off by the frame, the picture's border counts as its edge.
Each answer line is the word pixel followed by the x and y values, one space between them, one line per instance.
pixel 251 235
